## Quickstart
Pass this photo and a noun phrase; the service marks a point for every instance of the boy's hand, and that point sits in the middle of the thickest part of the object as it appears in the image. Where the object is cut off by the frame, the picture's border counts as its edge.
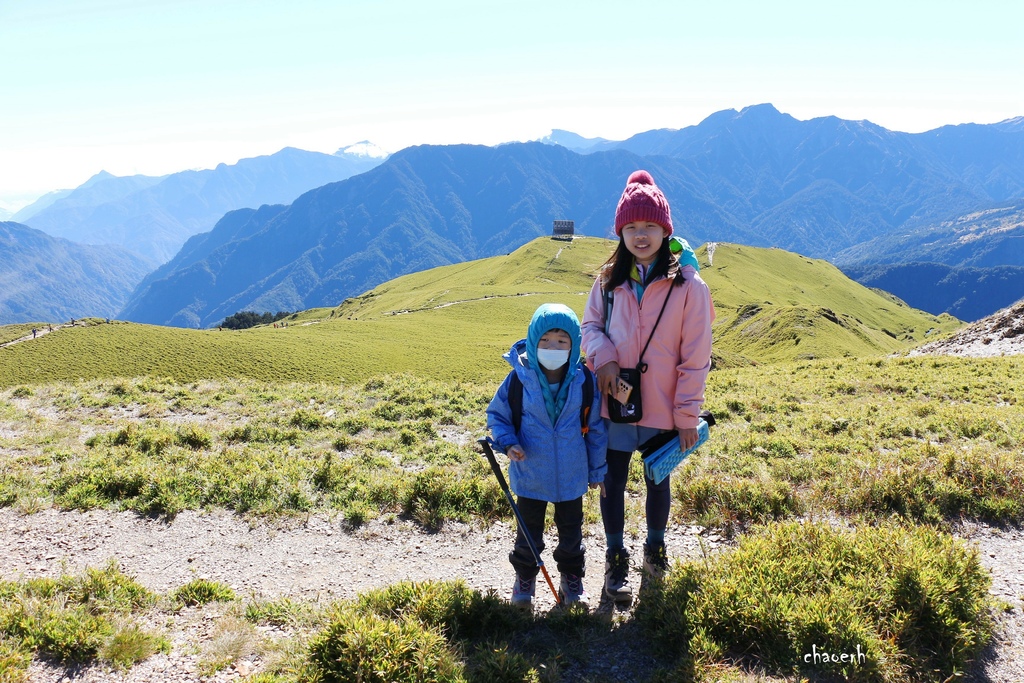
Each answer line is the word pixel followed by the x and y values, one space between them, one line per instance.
pixel 518 454
pixel 607 377
pixel 600 485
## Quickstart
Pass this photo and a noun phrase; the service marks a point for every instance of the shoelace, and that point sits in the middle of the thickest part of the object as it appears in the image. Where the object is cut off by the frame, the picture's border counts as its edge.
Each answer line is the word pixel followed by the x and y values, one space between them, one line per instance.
pixel 524 586
pixel 573 582
pixel 620 567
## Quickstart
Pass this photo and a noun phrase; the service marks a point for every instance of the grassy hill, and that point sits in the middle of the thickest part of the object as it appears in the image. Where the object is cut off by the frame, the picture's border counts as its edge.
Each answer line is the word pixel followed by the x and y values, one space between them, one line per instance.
pixel 454 322
pixel 775 305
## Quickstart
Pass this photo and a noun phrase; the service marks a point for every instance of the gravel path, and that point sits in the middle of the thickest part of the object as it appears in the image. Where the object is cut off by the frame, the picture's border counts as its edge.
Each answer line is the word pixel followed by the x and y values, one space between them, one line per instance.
pixel 312 559
pixel 316 559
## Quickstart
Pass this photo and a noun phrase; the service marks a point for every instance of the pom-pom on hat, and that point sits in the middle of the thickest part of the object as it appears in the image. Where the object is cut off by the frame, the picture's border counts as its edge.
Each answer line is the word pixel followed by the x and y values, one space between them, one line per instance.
pixel 642 201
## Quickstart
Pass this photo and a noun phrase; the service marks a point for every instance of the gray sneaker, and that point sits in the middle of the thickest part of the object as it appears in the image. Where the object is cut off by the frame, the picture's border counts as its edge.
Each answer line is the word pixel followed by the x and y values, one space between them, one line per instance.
pixel 571 590
pixel 655 560
pixel 616 576
pixel 523 591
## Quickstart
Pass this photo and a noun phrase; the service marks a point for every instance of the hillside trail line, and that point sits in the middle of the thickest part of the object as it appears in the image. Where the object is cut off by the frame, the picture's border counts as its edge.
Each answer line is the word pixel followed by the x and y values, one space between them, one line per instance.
pixel 28 337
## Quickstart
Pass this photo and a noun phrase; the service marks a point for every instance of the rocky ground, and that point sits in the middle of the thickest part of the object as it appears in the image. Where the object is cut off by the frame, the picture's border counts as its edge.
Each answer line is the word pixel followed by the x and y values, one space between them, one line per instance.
pixel 1000 334
pixel 317 560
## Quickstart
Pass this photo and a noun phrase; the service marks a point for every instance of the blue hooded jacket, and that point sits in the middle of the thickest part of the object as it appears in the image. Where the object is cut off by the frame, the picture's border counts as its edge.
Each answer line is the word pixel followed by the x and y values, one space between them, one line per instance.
pixel 560 461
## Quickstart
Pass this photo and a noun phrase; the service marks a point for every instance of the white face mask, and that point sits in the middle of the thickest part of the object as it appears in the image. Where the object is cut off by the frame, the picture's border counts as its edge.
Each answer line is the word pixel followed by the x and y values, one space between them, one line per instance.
pixel 552 359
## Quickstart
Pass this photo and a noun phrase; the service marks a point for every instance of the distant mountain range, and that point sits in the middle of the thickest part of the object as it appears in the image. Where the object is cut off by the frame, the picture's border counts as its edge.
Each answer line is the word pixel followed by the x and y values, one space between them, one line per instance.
pixel 756 177
pixel 966 293
pixel 979 239
pixel 848 191
pixel 49 279
pixel 968 266
pixel 425 206
pixel 153 216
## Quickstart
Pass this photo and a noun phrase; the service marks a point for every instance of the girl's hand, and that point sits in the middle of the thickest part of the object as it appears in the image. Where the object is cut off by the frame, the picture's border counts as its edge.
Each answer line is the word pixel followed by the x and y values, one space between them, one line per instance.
pixel 606 376
pixel 687 437
pixel 518 454
pixel 600 485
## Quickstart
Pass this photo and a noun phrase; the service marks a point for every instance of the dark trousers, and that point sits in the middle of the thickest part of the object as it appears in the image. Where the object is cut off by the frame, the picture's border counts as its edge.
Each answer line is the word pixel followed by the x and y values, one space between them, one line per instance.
pixel 569 523
pixel 613 505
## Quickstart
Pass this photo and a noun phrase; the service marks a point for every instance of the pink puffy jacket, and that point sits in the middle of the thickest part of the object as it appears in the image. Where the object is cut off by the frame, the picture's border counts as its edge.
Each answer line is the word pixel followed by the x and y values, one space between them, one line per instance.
pixel 679 356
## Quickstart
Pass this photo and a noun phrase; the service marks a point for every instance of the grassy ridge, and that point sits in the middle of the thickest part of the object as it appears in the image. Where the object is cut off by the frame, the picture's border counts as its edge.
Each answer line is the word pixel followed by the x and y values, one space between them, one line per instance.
pixel 453 323
pixel 775 305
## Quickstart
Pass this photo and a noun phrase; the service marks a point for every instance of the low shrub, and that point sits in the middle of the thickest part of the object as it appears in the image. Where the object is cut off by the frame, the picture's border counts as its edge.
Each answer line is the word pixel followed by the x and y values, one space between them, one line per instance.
pixel 257 433
pixel 281 612
pixel 307 419
pixel 194 437
pixel 450 607
pixel 14 661
pixel 730 500
pixel 438 494
pixel 904 605
pixel 203 591
pixel 69 619
pixel 372 649
pixel 131 645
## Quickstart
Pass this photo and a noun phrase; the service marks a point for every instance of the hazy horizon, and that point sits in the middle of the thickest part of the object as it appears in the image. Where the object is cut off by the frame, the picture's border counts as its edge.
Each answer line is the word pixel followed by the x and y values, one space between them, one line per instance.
pixel 156 87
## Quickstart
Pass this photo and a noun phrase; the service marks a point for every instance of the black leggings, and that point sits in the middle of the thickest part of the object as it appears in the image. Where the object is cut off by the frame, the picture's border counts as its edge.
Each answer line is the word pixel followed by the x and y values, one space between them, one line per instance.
pixel 613 505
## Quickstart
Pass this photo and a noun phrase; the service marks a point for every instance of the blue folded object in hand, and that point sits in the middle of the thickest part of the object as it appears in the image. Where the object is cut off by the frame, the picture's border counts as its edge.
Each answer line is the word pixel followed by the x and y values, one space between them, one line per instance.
pixel 662 453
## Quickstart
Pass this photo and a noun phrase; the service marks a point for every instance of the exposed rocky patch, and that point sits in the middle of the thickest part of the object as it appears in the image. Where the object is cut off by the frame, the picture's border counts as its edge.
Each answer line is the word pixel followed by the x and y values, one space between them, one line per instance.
pixel 1000 334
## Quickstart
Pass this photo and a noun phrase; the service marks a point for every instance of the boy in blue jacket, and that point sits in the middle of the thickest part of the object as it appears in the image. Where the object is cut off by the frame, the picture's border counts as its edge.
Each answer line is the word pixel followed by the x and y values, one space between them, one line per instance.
pixel 558 450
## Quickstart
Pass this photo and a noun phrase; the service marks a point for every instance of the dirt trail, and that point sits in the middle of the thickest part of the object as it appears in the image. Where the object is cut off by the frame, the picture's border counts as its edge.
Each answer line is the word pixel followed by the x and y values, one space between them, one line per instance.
pixel 28 337
pixel 316 559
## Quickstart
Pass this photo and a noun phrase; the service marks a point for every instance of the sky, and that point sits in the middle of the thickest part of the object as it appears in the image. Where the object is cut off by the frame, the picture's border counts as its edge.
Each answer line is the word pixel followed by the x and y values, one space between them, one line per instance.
pixel 159 86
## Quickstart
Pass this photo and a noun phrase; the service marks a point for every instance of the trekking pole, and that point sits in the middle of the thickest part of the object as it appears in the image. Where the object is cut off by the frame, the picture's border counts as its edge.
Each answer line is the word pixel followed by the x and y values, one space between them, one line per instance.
pixel 486 444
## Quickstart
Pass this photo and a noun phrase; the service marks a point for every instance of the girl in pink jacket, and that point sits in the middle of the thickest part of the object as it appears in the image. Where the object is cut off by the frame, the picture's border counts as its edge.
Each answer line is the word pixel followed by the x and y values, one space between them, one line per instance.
pixel 648 313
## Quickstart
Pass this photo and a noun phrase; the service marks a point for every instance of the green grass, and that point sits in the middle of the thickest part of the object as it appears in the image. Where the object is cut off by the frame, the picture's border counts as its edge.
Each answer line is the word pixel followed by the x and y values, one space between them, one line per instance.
pixel 202 591
pixel 775 305
pixel 78 618
pixel 371 449
pixel 17 331
pixel 923 439
pixel 929 440
pixel 914 602
pixel 453 323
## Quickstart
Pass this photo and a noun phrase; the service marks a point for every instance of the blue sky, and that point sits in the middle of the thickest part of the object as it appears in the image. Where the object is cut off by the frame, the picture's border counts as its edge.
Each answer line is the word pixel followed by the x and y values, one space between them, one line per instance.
pixel 157 86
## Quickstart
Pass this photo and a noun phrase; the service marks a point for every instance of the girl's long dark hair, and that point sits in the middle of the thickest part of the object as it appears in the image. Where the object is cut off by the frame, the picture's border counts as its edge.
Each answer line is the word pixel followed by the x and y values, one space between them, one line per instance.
pixel 616 269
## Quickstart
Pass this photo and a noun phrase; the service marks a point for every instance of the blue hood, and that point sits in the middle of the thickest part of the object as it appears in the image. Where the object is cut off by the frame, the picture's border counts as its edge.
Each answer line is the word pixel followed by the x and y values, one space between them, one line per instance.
pixel 554 317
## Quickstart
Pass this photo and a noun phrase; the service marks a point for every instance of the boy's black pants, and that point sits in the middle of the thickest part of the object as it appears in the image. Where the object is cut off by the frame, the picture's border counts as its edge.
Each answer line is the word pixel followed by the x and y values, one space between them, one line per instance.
pixel 569 523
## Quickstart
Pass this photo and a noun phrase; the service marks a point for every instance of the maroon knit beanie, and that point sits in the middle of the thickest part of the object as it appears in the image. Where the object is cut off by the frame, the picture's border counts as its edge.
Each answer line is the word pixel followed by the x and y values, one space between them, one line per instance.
pixel 642 201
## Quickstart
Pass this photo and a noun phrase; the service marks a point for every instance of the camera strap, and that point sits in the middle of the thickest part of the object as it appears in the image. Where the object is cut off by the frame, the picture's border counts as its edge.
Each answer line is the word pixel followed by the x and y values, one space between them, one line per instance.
pixel 640 364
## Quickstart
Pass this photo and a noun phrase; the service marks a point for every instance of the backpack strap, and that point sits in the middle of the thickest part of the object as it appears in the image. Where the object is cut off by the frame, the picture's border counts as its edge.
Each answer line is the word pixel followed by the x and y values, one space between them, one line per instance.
pixel 609 299
pixel 588 399
pixel 515 399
